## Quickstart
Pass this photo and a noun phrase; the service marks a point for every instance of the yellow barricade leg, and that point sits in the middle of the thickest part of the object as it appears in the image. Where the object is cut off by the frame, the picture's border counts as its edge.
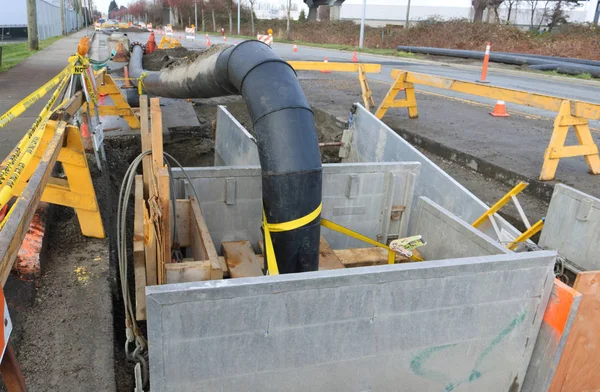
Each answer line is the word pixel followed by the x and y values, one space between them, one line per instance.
pixel 367 95
pixel 409 102
pixel 120 108
pixel 557 149
pixel 77 191
pixel 80 186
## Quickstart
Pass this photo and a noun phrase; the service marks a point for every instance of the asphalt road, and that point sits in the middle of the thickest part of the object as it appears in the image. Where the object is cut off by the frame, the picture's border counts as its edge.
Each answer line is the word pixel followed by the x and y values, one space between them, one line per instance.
pixel 498 76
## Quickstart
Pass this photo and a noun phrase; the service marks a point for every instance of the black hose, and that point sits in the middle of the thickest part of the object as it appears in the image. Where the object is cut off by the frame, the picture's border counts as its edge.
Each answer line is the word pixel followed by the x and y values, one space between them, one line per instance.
pixel 284 128
pixel 560 64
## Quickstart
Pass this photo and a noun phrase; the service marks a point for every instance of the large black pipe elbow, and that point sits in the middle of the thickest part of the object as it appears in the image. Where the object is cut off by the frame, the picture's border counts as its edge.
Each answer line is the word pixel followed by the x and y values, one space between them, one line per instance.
pixel 284 128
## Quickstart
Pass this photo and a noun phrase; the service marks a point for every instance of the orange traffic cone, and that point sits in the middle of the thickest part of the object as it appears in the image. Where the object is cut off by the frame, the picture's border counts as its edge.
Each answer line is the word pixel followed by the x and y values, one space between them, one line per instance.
pixel 122 55
pixel 224 39
pixel 295 49
pixel 151 44
pixel 127 83
pixel 500 110
pixel 207 41
pixel 325 70
pixel 354 57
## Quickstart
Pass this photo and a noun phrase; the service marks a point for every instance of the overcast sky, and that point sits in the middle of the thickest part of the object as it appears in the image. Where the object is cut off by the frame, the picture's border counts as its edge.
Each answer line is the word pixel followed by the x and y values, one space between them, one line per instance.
pixel 102 5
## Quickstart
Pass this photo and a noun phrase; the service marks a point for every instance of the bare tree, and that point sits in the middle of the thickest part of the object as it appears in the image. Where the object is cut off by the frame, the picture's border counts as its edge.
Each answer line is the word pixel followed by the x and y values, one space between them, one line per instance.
pixel 512 4
pixel 546 14
pixel 495 5
pixel 289 9
pixel 252 2
pixel 479 6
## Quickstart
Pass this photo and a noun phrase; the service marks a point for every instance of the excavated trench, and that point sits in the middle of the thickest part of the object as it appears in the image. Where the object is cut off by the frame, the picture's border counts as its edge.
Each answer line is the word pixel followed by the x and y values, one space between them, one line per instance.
pixel 191 146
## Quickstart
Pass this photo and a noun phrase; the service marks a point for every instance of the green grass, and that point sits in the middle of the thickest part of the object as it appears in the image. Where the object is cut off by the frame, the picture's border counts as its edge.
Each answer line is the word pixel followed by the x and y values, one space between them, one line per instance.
pixel 584 76
pixel 13 54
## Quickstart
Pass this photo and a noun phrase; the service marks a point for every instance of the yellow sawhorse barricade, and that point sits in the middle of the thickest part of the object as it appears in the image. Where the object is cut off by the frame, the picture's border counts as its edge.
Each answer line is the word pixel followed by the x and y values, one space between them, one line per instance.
pixel 106 86
pixel 361 68
pixel 570 113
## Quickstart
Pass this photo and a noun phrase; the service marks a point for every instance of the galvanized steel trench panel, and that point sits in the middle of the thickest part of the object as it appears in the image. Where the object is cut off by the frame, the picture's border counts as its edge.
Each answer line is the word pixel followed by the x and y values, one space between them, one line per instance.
pixel 464 324
pixel 448 236
pixel 359 196
pixel 373 141
pixel 572 226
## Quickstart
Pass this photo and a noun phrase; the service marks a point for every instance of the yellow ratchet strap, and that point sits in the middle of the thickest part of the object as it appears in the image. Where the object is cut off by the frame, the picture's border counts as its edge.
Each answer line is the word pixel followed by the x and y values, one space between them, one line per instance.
pixel 297 223
pixel 141 83
pixel 279 227
pixel 341 229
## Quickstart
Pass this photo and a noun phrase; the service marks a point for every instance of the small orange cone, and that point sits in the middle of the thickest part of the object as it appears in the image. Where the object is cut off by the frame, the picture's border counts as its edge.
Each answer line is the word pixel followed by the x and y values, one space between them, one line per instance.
pixel 500 110
pixel 151 44
pixel 325 70
pixel 122 55
pixel 127 82
pixel 295 49
pixel 224 39
pixel 207 41
pixel 354 57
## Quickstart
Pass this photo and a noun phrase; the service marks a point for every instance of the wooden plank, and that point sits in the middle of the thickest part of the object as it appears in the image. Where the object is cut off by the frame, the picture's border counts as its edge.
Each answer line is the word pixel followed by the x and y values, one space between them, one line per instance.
pixel 327 258
pixel 156 132
pixel 146 139
pixel 362 257
pixel 197 220
pixel 579 364
pixel 164 194
pixel 241 259
pixel 139 261
pixel 11 370
pixel 190 271
pixel 18 223
pixel 150 250
pixel 224 267
pixel 182 211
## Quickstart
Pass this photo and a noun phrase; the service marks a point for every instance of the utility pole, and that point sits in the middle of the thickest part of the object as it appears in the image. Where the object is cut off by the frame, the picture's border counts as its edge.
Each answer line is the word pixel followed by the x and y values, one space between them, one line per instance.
pixel 239 10
pixel 32 28
pixel 597 13
pixel 362 25
pixel 407 15
pixel 195 16
pixel 63 24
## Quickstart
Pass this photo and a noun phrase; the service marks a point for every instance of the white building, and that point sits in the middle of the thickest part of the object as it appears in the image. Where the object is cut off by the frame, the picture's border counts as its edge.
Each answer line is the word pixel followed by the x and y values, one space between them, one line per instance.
pixel 381 12
pixel 277 9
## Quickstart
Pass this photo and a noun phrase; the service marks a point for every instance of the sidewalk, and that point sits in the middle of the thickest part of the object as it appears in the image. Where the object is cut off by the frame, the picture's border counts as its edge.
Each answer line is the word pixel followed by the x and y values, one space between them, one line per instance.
pixel 25 78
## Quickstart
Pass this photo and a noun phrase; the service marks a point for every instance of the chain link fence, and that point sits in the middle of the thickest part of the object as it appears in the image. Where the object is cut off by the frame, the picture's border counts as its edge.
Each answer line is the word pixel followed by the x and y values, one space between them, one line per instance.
pixel 48 15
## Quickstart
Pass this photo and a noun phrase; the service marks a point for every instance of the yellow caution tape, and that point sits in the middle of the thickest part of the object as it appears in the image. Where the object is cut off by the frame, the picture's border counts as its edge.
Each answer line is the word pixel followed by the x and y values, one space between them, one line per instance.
pixel 32 98
pixel 41 119
pixel 141 83
pixel 279 227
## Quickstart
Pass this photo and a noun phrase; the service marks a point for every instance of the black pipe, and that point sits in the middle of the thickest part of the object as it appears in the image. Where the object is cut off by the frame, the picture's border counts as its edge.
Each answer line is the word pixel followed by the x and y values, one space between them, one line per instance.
pixel 284 128
pixel 560 64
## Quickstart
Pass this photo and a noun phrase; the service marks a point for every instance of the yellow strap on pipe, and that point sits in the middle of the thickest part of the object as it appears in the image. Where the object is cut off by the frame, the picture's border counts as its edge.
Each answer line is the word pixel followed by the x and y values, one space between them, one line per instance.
pixel 141 83
pixel 291 225
pixel 280 227
pixel 341 229
pixel 32 98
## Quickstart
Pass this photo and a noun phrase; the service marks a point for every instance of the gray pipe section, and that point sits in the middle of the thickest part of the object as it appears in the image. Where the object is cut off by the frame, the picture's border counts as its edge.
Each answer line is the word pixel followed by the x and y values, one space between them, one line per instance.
pixel 560 64
pixel 284 128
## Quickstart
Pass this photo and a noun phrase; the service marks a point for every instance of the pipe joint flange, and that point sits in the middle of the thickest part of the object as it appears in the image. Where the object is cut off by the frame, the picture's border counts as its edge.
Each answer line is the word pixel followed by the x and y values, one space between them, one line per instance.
pixel 133 44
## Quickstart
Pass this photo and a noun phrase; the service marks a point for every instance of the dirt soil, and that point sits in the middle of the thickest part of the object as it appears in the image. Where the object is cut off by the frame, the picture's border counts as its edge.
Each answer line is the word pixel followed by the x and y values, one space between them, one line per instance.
pixel 64 342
